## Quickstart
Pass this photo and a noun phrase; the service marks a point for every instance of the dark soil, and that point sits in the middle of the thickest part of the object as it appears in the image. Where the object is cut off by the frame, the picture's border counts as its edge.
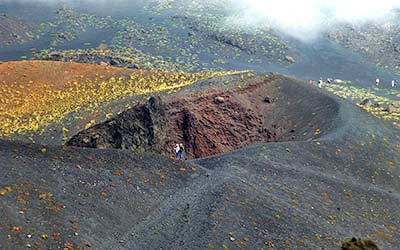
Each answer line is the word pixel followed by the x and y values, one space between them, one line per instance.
pixel 298 194
pixel 282 165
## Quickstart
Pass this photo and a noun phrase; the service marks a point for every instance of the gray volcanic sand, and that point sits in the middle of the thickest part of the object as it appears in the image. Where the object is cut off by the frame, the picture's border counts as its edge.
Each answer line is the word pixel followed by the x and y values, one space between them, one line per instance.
pixel 285 195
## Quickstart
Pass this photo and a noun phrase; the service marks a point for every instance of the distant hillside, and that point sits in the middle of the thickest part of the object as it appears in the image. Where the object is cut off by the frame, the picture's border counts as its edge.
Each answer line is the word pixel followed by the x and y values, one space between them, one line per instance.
pixel 14 31
pixel 378 42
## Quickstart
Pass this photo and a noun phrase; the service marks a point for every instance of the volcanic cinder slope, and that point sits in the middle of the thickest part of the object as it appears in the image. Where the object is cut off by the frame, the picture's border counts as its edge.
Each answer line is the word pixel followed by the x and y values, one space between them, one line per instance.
pixel 44 102
pixel 333 174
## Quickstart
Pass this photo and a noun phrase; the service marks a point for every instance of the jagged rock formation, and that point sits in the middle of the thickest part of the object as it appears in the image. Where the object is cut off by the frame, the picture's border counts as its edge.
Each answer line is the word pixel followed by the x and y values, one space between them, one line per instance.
pixel 140 129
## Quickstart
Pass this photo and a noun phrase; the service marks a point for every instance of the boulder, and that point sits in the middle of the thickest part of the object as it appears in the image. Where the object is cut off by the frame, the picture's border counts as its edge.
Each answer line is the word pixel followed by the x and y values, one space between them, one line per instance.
pixel 268 99
pixel 290 59
pixel 219 100
pixel 368 102
pixel 338 81
pixel 54 56
pixel 358 244
pixel 102 46
pixel 391 108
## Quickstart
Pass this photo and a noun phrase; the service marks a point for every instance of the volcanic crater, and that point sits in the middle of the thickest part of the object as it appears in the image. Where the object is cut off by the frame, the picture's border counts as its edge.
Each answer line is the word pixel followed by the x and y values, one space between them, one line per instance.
pixel 216 121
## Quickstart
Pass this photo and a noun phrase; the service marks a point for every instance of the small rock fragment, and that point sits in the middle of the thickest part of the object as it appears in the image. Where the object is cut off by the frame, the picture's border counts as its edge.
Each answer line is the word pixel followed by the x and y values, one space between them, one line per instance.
pixel 219 100
pixel 290 59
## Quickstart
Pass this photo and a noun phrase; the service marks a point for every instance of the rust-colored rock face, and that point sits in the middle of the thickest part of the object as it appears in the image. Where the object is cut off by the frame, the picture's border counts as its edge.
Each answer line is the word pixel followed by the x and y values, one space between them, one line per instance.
pixel 214 122
pixel 206 123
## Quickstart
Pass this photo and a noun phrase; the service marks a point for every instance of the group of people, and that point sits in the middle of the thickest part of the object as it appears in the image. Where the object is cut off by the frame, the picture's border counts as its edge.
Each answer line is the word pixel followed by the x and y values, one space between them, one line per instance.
pixel 321 82
pixel 330 81
pixel 180 151
pixel 394 82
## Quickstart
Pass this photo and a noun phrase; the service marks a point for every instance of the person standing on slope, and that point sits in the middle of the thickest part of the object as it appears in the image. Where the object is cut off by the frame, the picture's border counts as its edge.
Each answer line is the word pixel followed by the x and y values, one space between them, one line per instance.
pixel 177 151
pixel 320 83
pixel 394 83
pixel 181 152
pixel 377 81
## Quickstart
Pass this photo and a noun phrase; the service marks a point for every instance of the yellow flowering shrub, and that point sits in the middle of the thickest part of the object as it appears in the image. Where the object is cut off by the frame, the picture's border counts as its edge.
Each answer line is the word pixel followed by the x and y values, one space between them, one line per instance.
pixel 27 105
pixel 380 96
